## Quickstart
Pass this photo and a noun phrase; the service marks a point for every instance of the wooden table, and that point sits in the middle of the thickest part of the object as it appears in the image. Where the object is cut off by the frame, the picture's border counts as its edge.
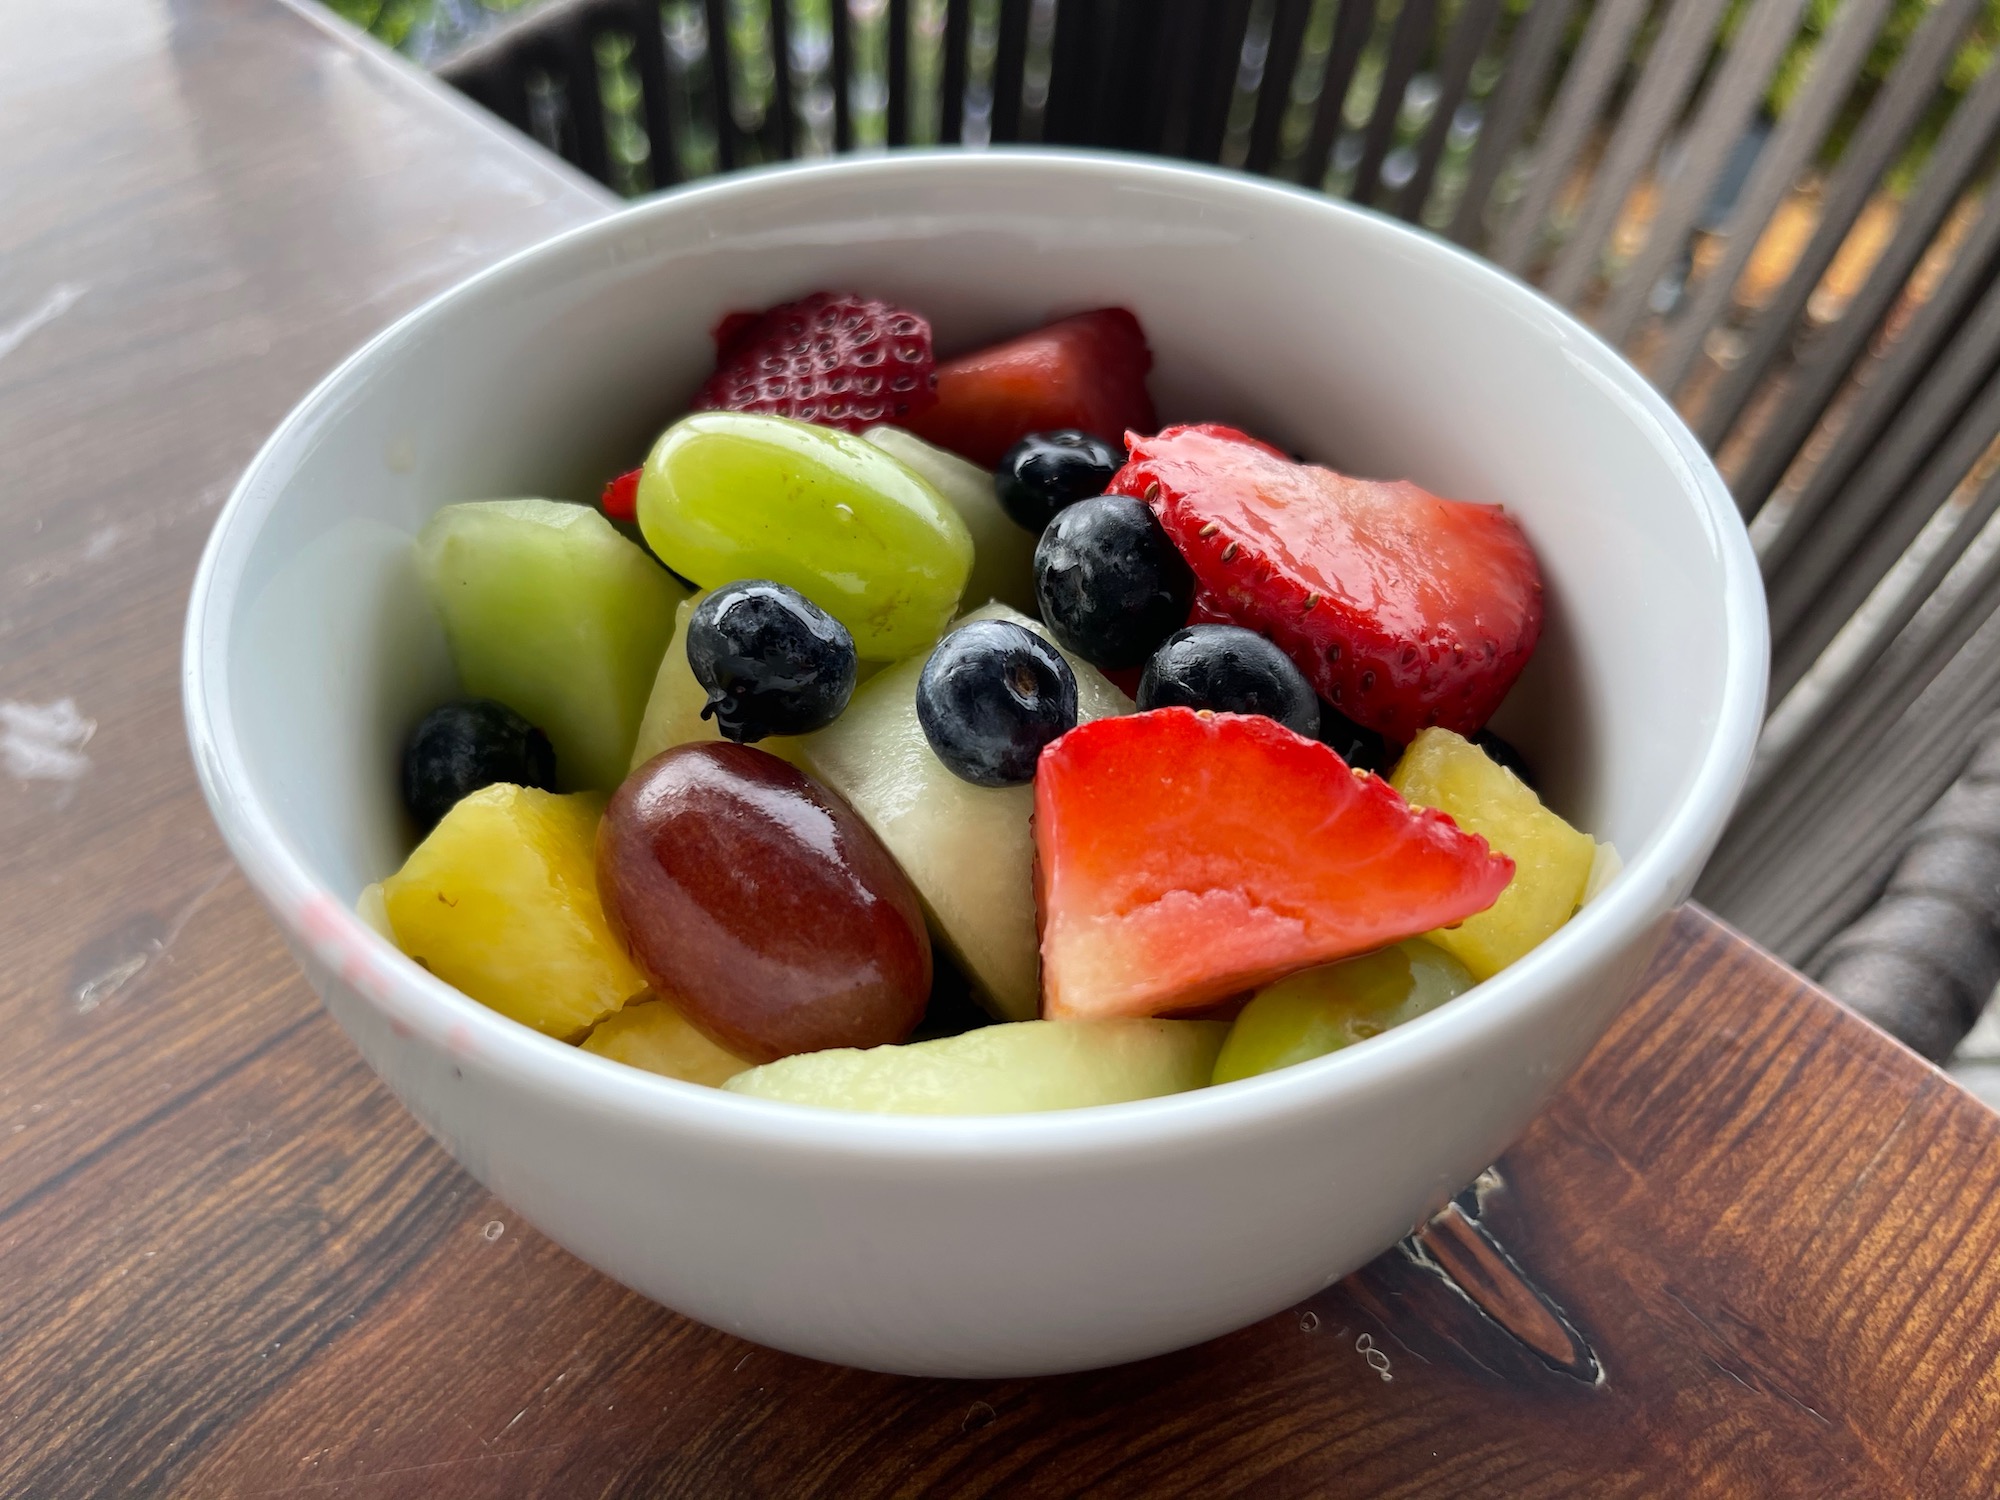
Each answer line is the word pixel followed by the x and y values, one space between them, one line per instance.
pixel 230 1264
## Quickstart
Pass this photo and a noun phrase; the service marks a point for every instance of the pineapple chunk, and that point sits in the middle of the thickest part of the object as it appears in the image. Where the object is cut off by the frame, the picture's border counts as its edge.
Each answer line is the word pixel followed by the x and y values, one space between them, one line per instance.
pixel 673 712
pixel 969 850
pixel 501 900
pixel 1552 861
pixel 653 1035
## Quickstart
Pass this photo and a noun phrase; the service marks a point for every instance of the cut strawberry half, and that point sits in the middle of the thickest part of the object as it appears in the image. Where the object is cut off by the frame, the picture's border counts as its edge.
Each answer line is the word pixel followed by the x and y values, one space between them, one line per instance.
pixel 1183 857
pixel 621 497
pixel 1404 610
pixel 831 358
pixel 1086 372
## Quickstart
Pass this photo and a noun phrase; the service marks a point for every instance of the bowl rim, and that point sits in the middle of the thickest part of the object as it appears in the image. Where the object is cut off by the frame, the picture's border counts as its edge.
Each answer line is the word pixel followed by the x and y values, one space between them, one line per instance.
pixel 417 1004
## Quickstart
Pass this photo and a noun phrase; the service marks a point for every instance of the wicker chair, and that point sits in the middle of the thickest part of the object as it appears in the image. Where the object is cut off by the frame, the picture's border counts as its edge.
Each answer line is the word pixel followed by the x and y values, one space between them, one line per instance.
pixel 1790 238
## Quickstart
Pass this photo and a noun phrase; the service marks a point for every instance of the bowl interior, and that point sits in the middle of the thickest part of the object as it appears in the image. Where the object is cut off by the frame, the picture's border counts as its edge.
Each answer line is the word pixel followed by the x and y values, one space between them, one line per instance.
pixel 1329 332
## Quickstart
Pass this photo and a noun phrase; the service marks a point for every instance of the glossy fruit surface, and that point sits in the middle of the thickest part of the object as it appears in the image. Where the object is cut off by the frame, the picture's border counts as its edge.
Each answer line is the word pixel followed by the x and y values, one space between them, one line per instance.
pixel 1047 471
pixel 457 748
pixel 550 611
pixel 1230 670
pixel 990 697
pixel 770 660
pixel 968 849
pixel 1003 555
pixel 501 901
pixel 1403 609
pixel 832 358
pixel 1552 861
pixel 728 495
pixel 653 1035
pixel 1317 1011
pixel 673 711
pixel 1361 747
pixel 1086 372
pixel 762 904
pixel 1110 583
pixel 1185 857
pixel 1001 1070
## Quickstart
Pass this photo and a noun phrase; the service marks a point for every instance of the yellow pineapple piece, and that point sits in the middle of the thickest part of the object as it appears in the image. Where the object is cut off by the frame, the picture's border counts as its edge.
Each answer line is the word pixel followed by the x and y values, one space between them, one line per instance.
pixel 653 1035
pixel 673 711
pixel 501 900
pixel 1552 861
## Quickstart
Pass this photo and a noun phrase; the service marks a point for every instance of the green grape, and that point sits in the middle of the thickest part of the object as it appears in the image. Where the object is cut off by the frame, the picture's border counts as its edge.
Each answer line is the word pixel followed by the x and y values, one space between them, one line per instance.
pixel 727 495
pixel 1321 1010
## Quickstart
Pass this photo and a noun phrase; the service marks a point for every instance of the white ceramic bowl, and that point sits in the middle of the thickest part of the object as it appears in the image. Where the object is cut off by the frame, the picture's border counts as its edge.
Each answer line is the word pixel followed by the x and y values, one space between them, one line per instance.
pixel 1025 1244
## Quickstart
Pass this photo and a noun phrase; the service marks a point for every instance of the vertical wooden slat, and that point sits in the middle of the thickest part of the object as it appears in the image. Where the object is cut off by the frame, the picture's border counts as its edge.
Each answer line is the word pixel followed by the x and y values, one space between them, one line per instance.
pixel 1410 43
pixel 1601 57
pixel 1531 53
pixel 649 54
pixel 1353 24
pixel 1067 117
pixel 1655 104
pixel 1010 66
pixel 721 88
pixel 1469 36
pixel 1954 161
pixel 951 102
pixel 1171 55
pixel 1946 321
pixel 508 80
pixel 1274 95
pixel 783 101
pixel 1725 113
pixel 1220 60
pixel 1877 141
pixel 584 98
pixel 897 22
pixel 1126 72
pixel 1799 133
pixel 842 21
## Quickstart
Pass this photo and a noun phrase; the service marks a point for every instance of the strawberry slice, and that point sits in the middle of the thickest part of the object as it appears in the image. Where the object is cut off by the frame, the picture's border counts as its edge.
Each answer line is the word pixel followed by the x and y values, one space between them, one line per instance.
pixel 1183 857
pixel 1404 610
pixel 621 497
pixel 1086 372
pixel 831 358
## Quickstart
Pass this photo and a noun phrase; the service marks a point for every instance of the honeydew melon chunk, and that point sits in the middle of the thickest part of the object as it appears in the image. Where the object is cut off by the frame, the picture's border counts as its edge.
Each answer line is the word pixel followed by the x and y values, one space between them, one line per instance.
pixel 673 709
pixel 1023 1068
pixel 548 609
pixel 969 850
pixel 1003 552
pixel 654 1035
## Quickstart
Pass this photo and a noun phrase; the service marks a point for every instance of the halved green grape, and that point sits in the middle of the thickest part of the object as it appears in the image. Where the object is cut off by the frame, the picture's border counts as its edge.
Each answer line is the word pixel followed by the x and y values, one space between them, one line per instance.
pixel 727 495
pixel 1310 1014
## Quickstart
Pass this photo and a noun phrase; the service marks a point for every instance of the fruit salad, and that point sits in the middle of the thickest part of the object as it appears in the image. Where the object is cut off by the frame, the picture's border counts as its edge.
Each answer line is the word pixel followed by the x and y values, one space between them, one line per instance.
pixel 953 738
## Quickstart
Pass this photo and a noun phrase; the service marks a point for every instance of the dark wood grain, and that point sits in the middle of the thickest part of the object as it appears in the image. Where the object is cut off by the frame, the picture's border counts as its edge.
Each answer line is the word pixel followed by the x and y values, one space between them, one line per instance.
pixel 230 1265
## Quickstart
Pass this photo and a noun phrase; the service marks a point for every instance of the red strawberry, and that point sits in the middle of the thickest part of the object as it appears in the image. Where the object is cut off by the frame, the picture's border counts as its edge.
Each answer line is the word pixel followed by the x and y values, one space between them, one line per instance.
pixel 831 358
pixel 621 496
pixel 1086 372
pixel 1404 610
pixel 1184 857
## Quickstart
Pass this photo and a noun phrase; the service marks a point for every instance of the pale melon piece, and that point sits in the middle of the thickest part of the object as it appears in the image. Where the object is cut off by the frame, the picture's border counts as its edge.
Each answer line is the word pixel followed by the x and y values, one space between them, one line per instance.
pixel 673 710
pixel 1000 1070
pixel 549 610
pixel 374 910
pixel 1003 552
pixel 1552 861
pixel 969 850
pixel 653 1035
pixel 1604 869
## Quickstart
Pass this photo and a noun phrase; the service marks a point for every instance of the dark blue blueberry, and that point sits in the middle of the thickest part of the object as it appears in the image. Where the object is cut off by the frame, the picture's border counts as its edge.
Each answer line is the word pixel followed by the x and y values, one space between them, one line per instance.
pixel 770 660
pixel 1233 671
pixel 1501 753
pixel 459 748
pixel 1357 744
pixel 1111 585
pixel 1048 471
pixel 991 696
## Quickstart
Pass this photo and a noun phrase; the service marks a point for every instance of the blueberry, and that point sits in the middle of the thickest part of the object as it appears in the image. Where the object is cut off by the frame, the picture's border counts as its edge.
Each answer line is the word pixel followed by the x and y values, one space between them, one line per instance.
pixel 1357 744
pixel 1111 585
pixel 1048 471
pixel 459 748
pixel 1231 670
pixel 991 696
pixel 770 660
